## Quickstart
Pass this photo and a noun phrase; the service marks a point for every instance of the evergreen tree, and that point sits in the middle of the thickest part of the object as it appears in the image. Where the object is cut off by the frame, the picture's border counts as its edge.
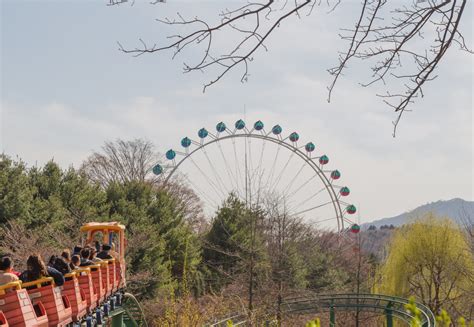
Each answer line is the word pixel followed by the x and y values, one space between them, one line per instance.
pixel 15 192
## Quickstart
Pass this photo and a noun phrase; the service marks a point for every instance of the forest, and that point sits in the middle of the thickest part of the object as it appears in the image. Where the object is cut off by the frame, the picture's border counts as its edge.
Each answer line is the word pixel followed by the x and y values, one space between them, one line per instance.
pixel 188 269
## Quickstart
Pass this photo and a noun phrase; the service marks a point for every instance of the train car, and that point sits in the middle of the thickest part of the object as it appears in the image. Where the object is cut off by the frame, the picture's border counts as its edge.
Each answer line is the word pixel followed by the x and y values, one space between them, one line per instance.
pixel 91 296
pixel 17 308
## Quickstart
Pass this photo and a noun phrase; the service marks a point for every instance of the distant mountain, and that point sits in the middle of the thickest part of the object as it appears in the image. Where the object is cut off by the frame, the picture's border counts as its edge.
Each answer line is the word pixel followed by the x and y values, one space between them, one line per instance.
pixel 456 209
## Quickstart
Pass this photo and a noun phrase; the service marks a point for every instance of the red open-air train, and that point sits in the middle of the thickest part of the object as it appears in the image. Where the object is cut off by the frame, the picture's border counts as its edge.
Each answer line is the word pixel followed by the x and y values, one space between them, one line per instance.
pixel 87 292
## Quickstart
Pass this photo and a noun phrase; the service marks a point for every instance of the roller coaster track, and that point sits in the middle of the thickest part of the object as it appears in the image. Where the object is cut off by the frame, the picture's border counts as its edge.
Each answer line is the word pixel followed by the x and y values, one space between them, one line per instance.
pixel 128 313
pixel 390 306
pixel 134 315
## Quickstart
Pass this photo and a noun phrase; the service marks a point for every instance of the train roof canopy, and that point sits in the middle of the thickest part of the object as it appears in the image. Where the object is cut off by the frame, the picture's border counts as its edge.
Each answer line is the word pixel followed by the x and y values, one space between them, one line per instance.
pixel 115 226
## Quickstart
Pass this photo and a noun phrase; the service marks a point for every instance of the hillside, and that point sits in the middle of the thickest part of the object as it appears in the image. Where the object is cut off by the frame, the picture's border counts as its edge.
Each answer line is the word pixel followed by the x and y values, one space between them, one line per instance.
pixel 457 209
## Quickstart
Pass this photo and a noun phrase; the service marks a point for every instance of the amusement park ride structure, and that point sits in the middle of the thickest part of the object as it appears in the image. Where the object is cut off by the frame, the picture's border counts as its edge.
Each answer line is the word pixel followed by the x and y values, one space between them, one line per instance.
pixel 241 175
pixel 95 295
pixel 91 296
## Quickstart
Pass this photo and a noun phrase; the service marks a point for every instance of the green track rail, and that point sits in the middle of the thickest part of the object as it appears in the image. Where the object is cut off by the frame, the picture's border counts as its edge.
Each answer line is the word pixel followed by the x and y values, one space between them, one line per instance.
pixel 129 314
pixel 390 306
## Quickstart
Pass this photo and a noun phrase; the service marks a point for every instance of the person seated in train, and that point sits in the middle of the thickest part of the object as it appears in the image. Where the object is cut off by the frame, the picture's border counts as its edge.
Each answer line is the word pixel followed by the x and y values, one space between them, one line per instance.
pixel 61 265
pixel 77 250
pixel 36 269
pixel 51 261
pixel 6 268
pixel 105 253
pixel 12 271
pixel 113 252
pixel 75 262
pixel 92 256
pixel 66 255
pixel 85 253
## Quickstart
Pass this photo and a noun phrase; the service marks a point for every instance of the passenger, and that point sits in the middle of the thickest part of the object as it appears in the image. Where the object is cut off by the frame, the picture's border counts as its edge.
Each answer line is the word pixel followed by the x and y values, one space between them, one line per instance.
pixel 77 250
pixel 61 265
pixel 66 255
pixel 92 256
pixel 6 268
pixel 52 260
pixel 85 253
pixel 114 253
pixel 104 254
pixel 75 262
pixel 36 269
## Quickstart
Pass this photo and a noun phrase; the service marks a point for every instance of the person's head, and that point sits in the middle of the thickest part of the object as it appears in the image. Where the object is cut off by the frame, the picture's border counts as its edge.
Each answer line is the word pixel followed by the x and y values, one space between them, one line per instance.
pixel 106 247
pixel 85 253
pixel 77 249
pixel 36 267
pixel 66 255
pixel 76 260
pixel 6 264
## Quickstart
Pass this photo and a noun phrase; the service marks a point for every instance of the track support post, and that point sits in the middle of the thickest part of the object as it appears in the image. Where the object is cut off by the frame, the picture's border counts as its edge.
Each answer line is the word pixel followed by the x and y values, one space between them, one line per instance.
pixel 389 314
pixel 332 316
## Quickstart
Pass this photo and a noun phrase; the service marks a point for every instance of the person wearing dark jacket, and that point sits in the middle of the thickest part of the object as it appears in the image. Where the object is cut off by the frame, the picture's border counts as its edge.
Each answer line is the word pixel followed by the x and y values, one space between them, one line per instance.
pixel 75 262
pixel 36 269
pixel 85 253
pixel 61 265
pixel 104 254
pixel 77 250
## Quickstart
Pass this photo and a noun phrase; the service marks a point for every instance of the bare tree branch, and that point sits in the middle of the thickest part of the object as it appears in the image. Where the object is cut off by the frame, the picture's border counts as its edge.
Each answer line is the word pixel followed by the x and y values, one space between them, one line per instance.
pixel 404 43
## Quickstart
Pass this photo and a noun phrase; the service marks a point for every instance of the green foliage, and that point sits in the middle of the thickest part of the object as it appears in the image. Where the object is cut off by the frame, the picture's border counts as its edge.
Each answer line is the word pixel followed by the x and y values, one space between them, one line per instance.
pixel 16 193
pixel 228 244
pixel 160 238
pixel 314 323
pixel 432 260
pixel 443 319
pixel 51 204
pixel 414 311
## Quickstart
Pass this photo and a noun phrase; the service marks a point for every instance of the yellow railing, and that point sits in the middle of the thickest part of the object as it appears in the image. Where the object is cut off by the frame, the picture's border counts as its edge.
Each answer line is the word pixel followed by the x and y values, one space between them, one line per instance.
pixel 13 285
pixel 72 274
pixel 38 283
pixel 86 271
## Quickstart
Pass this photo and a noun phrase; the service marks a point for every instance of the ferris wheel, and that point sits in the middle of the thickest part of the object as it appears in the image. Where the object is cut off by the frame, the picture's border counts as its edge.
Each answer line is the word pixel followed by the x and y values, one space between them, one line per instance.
pixel 255 163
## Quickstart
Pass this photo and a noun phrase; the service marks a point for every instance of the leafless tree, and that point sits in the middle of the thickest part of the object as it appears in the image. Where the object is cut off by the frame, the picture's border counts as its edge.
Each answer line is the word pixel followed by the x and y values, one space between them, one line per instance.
pixel 403 43
pixel 467 223
pixel 122 161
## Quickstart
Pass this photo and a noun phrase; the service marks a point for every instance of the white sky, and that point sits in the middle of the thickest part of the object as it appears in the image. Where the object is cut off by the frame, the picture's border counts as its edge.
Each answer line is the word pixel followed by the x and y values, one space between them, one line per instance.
pixel 65 89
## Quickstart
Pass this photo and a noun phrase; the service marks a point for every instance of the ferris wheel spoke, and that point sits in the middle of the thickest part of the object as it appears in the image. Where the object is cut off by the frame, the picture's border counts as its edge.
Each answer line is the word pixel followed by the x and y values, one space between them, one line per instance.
pixel 209 181
pixel 251 169
pixel 313 208
pixel 312 196
pixel 219 181
pixel 257 174
pixel 301 186
pixel 293 180
pixel 201 193
pixel 270 176
pixel 236 162
pixel 228 170
pixel 277 181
